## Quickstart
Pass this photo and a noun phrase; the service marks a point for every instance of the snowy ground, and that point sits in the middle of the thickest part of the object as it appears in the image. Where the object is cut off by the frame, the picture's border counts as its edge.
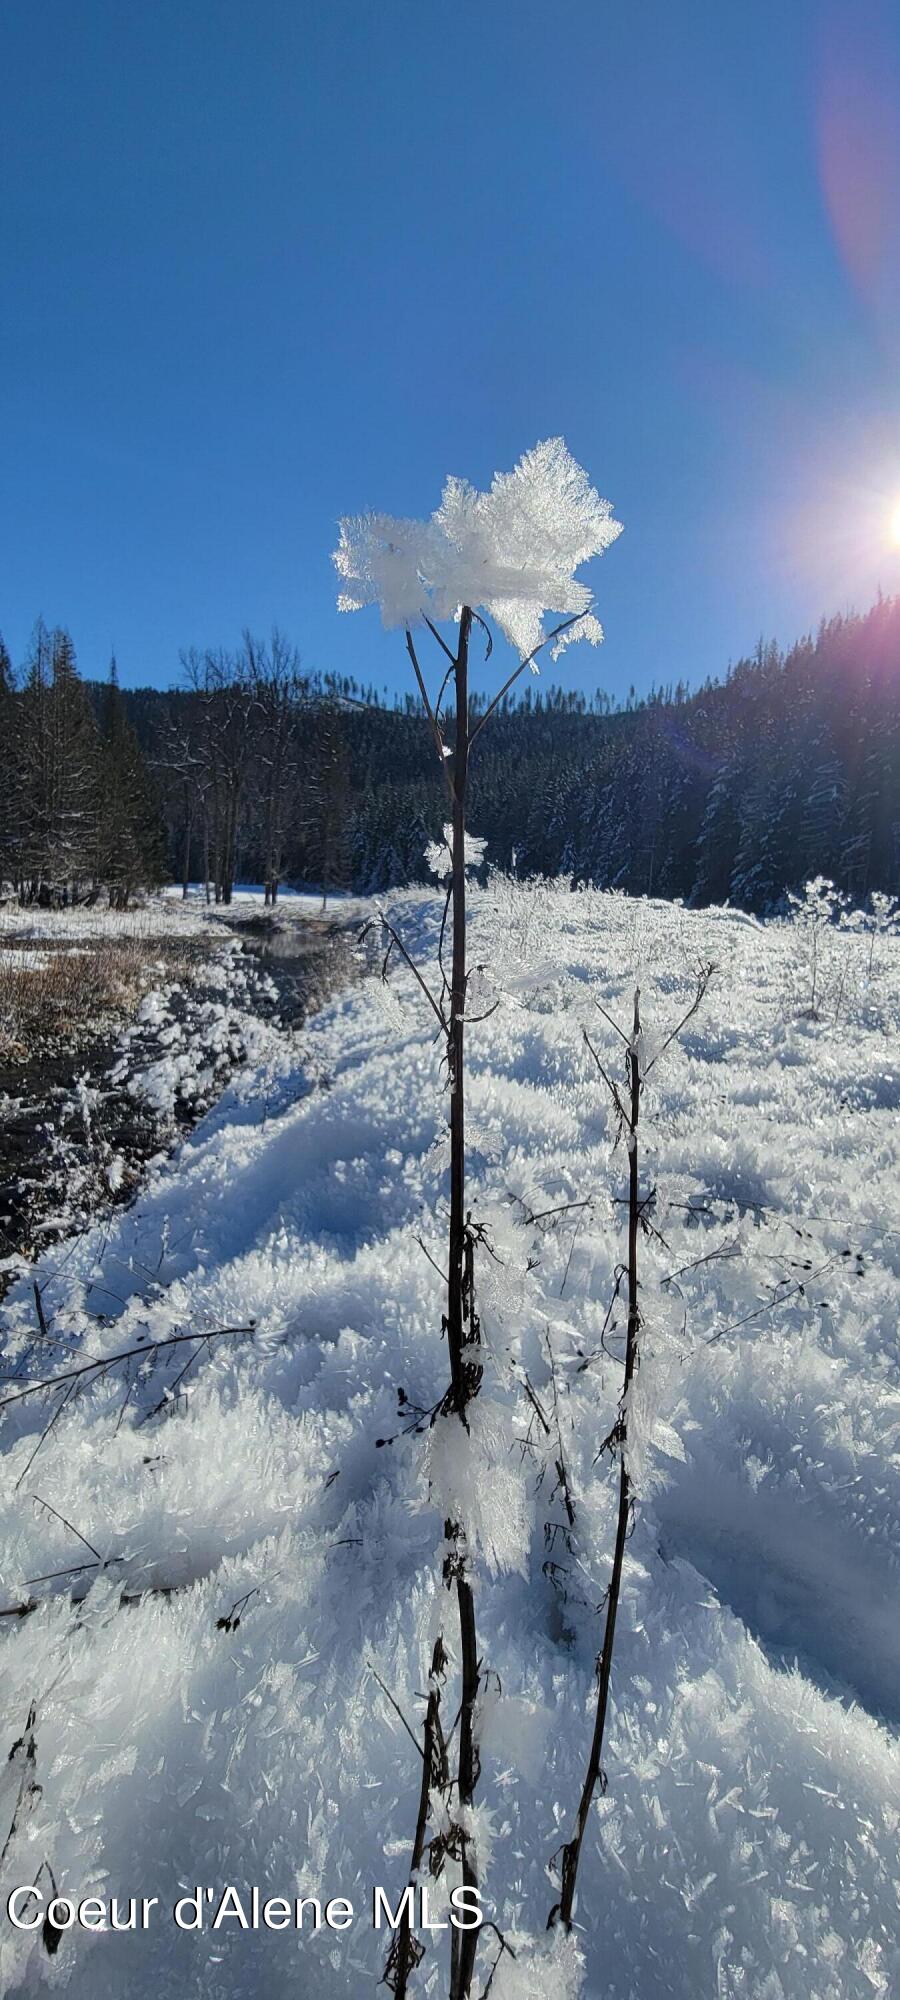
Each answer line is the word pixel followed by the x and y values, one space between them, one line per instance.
pixel 746 1847
pixel 167 914
pixel 251 895
pixel 158 916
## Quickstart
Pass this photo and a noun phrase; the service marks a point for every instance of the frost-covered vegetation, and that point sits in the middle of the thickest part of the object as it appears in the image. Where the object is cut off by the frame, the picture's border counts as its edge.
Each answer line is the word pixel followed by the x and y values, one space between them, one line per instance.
pixel 513 550
pixel 56 992
pixel 262 1510
pixel 117 1028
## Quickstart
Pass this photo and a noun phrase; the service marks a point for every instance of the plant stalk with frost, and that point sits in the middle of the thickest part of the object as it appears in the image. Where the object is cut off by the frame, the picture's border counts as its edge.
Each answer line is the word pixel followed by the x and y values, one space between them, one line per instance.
pixel 511 553
pixel 627 1109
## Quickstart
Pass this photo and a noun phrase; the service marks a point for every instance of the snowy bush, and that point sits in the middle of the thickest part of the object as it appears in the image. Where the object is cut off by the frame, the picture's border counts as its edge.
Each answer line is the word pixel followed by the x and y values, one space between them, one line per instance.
pixel 835 973
pixel 821 974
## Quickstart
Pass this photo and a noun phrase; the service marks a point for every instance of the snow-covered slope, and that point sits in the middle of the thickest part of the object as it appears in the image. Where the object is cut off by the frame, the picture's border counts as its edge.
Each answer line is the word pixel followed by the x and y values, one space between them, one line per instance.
pixel 746 1846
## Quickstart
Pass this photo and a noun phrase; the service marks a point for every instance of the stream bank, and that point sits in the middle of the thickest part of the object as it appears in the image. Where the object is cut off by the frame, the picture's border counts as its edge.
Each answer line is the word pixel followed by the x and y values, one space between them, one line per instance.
pixel 83 1112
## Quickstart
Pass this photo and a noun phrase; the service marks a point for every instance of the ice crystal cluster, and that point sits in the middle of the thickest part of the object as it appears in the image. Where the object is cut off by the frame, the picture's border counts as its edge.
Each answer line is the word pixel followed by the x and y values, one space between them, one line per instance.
pixel 439 853
pixel 511 552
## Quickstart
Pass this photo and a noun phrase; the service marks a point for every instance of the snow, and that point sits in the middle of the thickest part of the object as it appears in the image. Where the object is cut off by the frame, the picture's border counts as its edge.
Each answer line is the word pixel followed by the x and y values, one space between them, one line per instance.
pixel 157 916
pixel 168 914
pixel 512 550
pixel 291 902
pixel 230 1730
pixel 24 961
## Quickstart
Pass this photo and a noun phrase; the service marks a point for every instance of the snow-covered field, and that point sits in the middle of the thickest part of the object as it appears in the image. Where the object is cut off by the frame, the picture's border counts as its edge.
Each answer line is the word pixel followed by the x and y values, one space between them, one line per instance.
pixel 230 1729
pixel 156 916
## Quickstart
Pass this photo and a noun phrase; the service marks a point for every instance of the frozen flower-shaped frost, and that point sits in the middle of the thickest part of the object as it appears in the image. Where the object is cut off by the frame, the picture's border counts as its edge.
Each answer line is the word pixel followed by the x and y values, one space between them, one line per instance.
pixel 439 853
pixel 512 551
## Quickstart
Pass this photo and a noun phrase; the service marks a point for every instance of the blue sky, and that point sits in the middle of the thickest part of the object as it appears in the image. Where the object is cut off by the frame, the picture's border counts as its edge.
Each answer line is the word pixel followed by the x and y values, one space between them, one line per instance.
pixel 267 264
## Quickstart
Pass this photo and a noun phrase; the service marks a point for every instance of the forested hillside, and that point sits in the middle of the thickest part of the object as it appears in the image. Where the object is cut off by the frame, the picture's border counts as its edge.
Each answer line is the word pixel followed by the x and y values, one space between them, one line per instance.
pixel 789 767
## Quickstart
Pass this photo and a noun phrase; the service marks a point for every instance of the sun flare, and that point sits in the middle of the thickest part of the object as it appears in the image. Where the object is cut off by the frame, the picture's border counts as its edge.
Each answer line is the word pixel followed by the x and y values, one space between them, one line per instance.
pixel 894 527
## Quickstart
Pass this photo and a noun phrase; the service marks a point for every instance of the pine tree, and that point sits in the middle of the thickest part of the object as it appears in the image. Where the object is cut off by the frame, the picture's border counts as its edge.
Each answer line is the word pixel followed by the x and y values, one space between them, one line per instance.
pixel 824 810
pixel 717 840
pixel 9 773
pixel 75 773
pixel 36 769
pixel 334 810
pixel 130 847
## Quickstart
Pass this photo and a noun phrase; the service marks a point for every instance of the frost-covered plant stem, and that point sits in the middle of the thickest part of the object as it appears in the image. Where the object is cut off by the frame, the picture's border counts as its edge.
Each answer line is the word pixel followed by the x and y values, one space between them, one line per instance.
pixel 459 1299
pixel 628 1111
pixel 513 552
pixel 406 1950
pixel 629 1116
pixel 462 1322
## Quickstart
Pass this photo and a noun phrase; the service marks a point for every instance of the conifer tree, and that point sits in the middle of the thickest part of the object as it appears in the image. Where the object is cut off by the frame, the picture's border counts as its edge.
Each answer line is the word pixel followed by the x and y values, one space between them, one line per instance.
pixel 10 801
pixel 75 772
pixel 37 768
pixel 130 847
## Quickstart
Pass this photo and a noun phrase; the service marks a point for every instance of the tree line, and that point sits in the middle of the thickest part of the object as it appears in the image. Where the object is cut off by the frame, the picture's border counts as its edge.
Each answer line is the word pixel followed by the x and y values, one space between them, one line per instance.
pixel 78 808
pixel 252 769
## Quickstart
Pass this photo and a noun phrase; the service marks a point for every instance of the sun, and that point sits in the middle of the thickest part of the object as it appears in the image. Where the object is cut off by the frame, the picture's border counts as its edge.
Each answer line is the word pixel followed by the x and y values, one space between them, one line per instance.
pixel 894 527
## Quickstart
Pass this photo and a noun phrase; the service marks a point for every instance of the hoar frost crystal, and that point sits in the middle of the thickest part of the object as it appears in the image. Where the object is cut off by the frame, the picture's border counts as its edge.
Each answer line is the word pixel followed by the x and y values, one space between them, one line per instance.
pixel 512 551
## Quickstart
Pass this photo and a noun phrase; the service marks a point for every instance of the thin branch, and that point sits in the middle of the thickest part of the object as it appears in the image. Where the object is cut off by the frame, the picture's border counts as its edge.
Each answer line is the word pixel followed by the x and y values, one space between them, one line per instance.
pixel 39 1305
pixel 716 1256
pixel 520 669
pixel 443 933
pixel 564 1208
pixel 442 689
pixel 67 1524
pixel 487 633
pixel 407 1949
pixel 435 1267
pixel 432 718
pixel 613 1024
pixel 611 1087
pixel 398 941
pixel 504 1947
pixel 397 1709
pixel 471 1020
pixel 706 973
pixel 769 1305
pixel 534 1400
pixel 444 648
pixel 61 1405
pixel 170 1388
pixel 101 1367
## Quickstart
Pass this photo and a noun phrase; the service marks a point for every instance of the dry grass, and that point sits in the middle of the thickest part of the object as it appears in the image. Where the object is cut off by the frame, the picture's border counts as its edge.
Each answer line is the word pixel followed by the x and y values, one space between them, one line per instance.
pixel 53 992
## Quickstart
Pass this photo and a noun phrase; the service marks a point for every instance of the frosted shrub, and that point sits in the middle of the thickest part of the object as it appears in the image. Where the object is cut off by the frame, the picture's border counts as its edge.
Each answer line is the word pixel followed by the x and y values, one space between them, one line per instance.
pixel 835 971
pixel 820 973
pixel 881 920
pixel 522 918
